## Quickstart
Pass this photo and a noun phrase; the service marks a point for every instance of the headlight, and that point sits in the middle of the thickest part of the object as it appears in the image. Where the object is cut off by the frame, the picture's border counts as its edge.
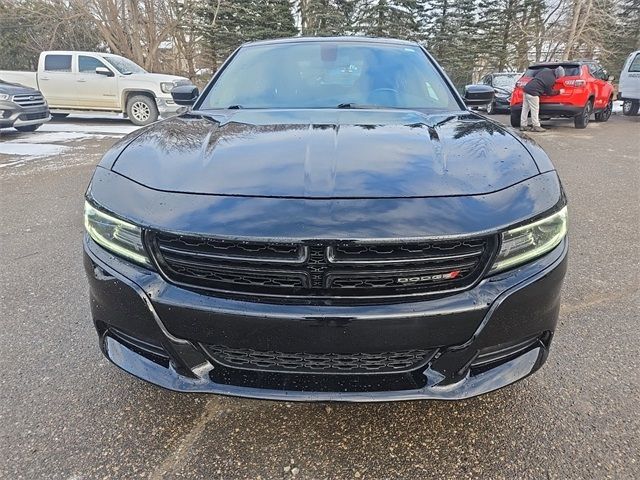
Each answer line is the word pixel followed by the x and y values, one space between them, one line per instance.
pixel 166 87
pixel 4 96
pixel 117 236
pixel 525 243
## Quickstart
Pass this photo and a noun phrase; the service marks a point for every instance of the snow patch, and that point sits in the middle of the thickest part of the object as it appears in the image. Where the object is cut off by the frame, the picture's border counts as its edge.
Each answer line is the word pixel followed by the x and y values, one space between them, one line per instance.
pixel 31 150
pixel 55 137
pixel 78 128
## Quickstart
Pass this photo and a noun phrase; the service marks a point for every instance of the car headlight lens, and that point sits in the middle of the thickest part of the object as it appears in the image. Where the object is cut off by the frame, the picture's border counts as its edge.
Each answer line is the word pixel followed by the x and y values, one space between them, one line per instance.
pixel 4 96
pixel 525 243
pixel 117 236
pixel 166 87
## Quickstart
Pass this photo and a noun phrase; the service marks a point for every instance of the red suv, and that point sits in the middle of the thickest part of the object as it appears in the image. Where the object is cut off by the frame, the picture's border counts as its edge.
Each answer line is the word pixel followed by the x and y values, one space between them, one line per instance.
pixel 585 89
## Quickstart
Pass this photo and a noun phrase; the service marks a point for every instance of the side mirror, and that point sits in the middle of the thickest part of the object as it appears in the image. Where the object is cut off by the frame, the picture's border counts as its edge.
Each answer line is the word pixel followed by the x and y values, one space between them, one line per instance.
pixel 185 94
pixel 611 78
pixel 104 71
pixel 478 94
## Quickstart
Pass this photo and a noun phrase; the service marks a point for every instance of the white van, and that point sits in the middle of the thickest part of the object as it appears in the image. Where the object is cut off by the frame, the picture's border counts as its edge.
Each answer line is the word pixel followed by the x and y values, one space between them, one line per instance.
pixel 629 87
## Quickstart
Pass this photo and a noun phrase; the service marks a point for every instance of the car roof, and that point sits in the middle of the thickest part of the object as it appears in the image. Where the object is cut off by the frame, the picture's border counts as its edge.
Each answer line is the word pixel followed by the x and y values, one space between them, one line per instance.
pixel 78 52
pixel 570 63
pixel 342 39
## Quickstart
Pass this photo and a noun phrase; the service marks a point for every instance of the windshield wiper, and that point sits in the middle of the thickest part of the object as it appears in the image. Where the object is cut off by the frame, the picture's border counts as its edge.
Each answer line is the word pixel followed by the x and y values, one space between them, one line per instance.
pixel 357 105
pixel 234 107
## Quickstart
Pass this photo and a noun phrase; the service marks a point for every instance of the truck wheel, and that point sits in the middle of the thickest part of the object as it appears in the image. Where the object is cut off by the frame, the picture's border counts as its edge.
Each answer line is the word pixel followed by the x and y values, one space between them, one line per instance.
pixel 59 115
pixel 28 128
pixel 582 120
pixel 630 107
pixel 142 110
pixel 605 113
pixel 491 108
pixel 515 119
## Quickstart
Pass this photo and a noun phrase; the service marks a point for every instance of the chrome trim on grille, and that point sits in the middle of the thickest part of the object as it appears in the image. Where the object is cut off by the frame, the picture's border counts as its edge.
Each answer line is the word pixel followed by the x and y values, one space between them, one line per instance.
pixel 29 100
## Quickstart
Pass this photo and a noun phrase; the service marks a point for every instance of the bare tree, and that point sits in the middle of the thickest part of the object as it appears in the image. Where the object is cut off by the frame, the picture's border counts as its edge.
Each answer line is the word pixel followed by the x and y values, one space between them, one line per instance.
pixel 135 29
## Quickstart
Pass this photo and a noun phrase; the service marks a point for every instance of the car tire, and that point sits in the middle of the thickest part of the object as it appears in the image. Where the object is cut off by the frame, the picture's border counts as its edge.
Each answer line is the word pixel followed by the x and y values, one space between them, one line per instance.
pixel 515 119
pixel 59 115
pixel 582 120
pixel 604 114
pixel 142 110
pixel 630 107
pixel 491 108
pixel 28 128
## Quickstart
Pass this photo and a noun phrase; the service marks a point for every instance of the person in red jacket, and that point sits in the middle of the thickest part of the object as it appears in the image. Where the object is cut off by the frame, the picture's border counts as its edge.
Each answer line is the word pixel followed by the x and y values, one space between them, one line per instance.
pixel 541 84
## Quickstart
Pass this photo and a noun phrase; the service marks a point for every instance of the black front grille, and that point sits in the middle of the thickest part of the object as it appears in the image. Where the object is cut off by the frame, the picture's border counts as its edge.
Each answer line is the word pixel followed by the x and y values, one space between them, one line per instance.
pixel 33 116
pixel 321 270
pixel 333 363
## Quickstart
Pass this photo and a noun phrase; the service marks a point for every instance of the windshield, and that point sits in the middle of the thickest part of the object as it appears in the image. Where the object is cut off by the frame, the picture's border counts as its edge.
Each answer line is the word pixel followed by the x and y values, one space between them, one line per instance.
pixel 124 65
pixel 330 75
pixel 569 70
pixel 506 81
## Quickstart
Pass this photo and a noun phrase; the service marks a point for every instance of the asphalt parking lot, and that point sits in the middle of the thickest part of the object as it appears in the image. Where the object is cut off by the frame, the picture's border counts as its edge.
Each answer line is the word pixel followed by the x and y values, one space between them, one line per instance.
pixel 66 413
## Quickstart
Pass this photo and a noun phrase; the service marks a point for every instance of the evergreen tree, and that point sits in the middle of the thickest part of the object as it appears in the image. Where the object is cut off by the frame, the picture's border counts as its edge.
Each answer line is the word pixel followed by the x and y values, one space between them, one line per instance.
pixel 450 32
pixel 226 24
pixel 325 17
pixel 391 18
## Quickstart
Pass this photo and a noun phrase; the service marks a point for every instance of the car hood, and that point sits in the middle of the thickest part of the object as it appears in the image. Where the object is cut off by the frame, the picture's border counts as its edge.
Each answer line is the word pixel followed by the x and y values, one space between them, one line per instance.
pixel 16 89
pixel 158 77
pixel 504 90
pixel 327 154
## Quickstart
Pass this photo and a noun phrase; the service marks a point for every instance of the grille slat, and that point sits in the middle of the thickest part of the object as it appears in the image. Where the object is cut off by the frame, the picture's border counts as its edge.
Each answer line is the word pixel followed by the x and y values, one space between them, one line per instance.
pixel 351 363
pixel 321 270
pixel 30 100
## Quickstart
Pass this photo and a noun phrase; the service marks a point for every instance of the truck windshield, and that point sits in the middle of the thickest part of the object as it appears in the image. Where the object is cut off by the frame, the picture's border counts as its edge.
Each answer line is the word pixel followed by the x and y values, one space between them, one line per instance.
pixel 506 81
pixel 124 65
pixel 328 74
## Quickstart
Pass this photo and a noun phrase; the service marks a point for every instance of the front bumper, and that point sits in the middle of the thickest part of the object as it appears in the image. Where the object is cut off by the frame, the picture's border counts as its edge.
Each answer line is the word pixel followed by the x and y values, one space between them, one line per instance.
pixel 483 339
pixel 167 107
pixel 502 103
pixel 14 115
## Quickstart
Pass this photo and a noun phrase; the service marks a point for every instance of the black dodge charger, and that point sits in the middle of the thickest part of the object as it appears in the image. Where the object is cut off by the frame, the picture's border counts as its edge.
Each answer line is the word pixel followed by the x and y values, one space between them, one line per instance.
pixel 327 222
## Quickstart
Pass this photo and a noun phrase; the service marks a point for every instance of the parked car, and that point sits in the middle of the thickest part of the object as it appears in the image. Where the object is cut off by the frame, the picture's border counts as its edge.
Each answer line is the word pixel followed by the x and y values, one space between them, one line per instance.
pixel 22 108
pixel 629 86
pixel 91 81
pixel 503 84
pixel 584 90
pixel 313 236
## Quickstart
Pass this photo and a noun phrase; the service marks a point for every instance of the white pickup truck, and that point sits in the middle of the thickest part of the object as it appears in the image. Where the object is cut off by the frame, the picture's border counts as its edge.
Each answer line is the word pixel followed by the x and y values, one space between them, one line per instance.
pixel 91 81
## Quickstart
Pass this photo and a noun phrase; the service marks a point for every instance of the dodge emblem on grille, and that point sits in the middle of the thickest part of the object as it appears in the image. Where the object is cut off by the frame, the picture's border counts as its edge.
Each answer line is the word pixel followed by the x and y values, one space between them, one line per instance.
pixel 427 278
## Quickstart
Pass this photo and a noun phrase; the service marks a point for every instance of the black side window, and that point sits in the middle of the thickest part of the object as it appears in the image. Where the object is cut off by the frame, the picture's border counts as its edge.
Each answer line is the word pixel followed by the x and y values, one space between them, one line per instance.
pixel 635 64
pixel 88 64
pixel 596 71
pixel 57 63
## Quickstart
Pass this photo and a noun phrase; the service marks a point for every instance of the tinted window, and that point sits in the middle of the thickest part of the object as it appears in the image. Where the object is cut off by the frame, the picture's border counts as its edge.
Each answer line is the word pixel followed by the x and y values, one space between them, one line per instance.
pixel 635 64
pixel 88 64
pixel 327 74
pixel 57 63
pixel 569 70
